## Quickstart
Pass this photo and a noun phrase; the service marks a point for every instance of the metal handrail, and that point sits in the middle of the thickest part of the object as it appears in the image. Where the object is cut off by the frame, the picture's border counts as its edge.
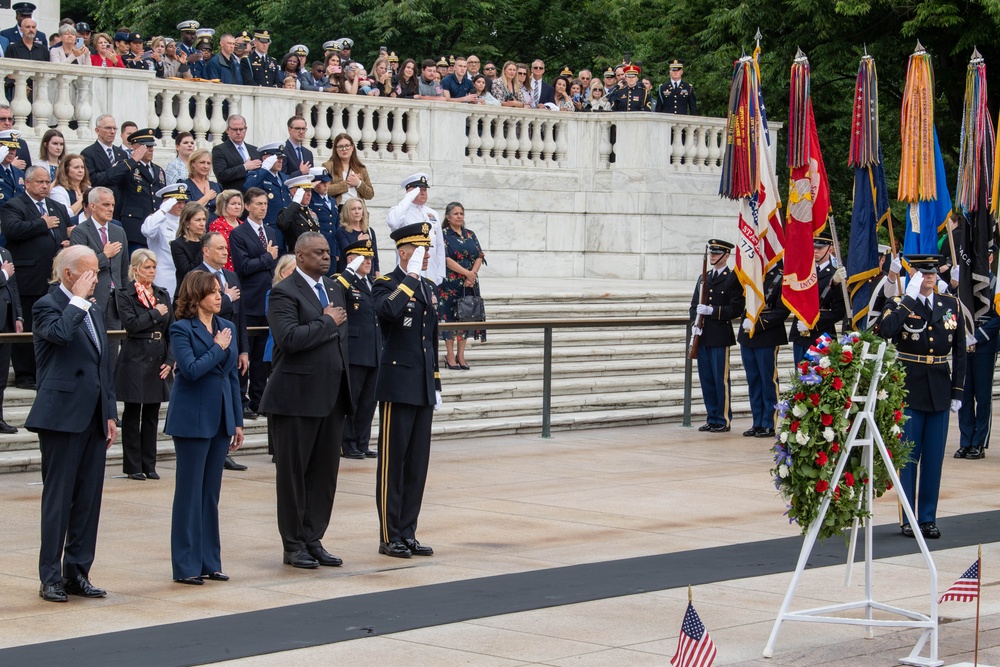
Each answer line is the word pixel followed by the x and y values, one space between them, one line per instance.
pixel 547 325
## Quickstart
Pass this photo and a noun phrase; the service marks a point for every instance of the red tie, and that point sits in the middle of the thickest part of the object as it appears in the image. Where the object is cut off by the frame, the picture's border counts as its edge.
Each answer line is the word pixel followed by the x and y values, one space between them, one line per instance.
pixel 263 239
pixel 104 235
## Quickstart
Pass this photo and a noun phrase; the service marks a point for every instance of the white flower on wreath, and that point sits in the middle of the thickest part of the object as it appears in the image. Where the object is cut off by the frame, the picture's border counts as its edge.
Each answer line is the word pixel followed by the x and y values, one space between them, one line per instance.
pixel 784 437
pixel 802 437
pixel 828 434
pixel 895 429
pixel 850 492
pixel 824 362
pixel 798 410
pixel 883 394
pixel 782 471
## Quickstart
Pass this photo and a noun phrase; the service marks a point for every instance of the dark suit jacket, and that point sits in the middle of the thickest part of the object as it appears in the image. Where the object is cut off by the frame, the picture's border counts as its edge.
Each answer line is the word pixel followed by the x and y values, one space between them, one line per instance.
pixel 228 165
pixel 115 268
pixel 74 379
pixel 98 164
pixel 206 382
pixel 291 164
pixel 9 294
pixel 32 244
pixel 365 331
pixel 546 95
pixel 831 309
pixel 308 347
pixel 187 255
pixel 232 311
pixel 137 371
pixel 253 265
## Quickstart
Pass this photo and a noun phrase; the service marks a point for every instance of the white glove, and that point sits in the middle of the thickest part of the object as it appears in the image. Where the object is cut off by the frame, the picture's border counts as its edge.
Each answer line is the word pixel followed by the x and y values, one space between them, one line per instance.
pixel 955 273
pixel 747 324
pixel 437 401
pixel 942 286
pixel 704 309
pixel 300 194
pixel 913 287
pixel 416 262
pixel 269 162
pixel 896 266
pixel 3 152
pixel 355 263
pixel 970 342
pixel 695 331
pixel 839 276
pixel 956 405
pixel 167 204
pixel 802 326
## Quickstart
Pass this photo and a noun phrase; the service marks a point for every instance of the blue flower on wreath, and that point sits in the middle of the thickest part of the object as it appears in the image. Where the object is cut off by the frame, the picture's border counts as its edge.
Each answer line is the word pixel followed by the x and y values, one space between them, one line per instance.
pixel 810 378
pixel 782 409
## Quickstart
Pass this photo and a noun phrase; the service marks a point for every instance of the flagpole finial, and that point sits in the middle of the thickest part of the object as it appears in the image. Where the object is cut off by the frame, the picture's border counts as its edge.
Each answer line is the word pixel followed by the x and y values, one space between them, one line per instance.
pixel 758 36
pixel 691 596
pixel 744 53
pixel 800 57
pixel 919 50
pixel 976 58
pixel 866 50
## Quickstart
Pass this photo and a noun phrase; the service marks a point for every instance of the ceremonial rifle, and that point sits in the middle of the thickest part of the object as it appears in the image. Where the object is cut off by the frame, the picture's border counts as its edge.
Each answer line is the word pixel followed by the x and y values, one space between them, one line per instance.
pixel 848 312
pixel 693 352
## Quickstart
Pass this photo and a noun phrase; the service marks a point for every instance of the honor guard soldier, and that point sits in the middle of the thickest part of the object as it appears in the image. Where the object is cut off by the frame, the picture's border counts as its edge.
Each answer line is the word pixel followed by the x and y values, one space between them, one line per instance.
pixel 676 95
pixel 258 68
pixel 759 343
pixel 271 180
pixel 364 349
pixel 720 303
pixel 408 390
pixel 975 416
pixel 325 208
pixel 928 331
pixel 633 96
pixel 136 180
pixel 297 218
pixel 831 299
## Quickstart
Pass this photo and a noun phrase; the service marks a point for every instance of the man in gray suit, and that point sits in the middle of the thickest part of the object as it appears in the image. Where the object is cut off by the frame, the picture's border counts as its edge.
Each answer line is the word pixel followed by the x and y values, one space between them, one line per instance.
pixel 108 241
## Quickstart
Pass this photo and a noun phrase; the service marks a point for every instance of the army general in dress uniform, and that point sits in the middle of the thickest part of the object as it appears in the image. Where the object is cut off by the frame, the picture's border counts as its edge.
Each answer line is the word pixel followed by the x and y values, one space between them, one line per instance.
pixel 676 95
pixel 136 180
pixel 928 331
pixel 633 96
pixel 831 298
pixel 257 68
pixel 723 301
pixel 759 342
pixel 408 390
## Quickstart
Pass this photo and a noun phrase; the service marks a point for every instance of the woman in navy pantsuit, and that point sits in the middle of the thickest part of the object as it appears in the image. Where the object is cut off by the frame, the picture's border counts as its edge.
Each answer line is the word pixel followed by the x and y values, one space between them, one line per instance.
pixel 205 417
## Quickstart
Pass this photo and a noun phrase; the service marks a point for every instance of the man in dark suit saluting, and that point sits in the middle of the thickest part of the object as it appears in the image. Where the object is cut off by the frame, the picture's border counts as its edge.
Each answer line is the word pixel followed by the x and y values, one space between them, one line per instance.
pixel 308 319
pixel 74 415
pixel 234 157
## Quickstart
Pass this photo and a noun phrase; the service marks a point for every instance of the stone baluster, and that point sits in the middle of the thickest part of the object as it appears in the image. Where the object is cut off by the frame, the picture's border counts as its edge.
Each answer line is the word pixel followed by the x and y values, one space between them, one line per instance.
pixel 604 146
pixel 368 134
pixel 185 123
pixel 473 139
pixel 382 134
pixel 352 124
pixel 201 122
pixel 337 126
pixel 84 108
pixel 398 135
pixel 307 109
pixel 152 120
pixel 692 137
pixel 494 142
pixel 42 108
pixel 559 131
pixel 525 140
pixel 677 145
pixel 217 123
pixel 63 108
pixel 322 127
pixel 549 145
pixel 714 149
pixel 412 134
pixel 167 121
pixel 20 104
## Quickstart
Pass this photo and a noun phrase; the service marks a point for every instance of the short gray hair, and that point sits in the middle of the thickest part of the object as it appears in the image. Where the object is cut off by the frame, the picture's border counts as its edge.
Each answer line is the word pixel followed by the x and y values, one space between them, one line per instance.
pixel 34 169
pixel 306 239
pixel 69 258
pixel 235 116
pixel 96 193
pixel 64 29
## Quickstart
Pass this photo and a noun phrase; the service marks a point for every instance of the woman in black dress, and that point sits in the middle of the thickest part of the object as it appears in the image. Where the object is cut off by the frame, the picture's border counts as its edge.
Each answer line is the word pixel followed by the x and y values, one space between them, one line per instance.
pixel 142 375
pixel 354 227
pixel 186 248
pixel 464 257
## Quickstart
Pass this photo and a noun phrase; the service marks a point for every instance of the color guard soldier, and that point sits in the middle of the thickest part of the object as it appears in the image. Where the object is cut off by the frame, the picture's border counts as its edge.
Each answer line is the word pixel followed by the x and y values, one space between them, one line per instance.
pixel 633 96
pixel 975 416
pixel 759 345
pixel 136 180
pixel 676 95
pixel 928 331
pixel 364 349
pixel 258 68
pixel 270 179
pixel 408 390
pixel 724 302
pixel 831 298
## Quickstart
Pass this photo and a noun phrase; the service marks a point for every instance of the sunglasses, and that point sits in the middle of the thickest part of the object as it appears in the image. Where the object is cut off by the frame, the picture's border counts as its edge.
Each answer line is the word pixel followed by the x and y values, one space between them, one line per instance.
pixel 538 68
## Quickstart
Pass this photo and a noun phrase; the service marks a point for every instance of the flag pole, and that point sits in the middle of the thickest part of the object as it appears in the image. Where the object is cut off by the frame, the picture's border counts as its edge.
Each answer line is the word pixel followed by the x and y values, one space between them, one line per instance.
pixel 979 587
pixel 691 599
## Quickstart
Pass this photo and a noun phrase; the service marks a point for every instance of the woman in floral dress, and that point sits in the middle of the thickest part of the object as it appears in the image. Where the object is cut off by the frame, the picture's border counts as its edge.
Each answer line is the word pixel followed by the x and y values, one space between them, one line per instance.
pixel 464 257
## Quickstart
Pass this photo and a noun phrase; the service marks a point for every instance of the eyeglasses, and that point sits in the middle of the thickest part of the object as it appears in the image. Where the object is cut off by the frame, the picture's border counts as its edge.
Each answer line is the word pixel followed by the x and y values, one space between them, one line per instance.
pixel 536 67
pixel 344 147
pixel 298 129
pixel 490 68
pixel 522 73
pixel 238 129
pixel 631 76
pixel 8 119
pixel 472 62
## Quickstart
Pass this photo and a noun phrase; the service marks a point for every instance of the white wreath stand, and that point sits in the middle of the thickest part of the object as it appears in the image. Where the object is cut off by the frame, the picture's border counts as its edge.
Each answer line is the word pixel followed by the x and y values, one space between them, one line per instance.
pixel 870 440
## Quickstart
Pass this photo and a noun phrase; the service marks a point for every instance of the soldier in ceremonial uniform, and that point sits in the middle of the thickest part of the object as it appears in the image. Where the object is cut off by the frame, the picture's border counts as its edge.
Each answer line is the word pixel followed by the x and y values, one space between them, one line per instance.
pixel 11 178
pixel 364 349
pixel 325 208
pixel 928 331
pixel 975 417
pixel 831 298
pixel 188 30
pixel 298 218
pixel 346 44
pixel 133 59
pixel 724 302
pixel 633 96
pixel 759 345
pixel 676 95
pixel 408 390
pixel 271 180
pixel 136 180
pixel 258 68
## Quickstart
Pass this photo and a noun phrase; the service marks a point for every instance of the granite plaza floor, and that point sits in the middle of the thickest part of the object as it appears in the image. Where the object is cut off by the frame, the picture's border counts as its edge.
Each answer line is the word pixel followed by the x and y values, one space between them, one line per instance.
pixel 510 505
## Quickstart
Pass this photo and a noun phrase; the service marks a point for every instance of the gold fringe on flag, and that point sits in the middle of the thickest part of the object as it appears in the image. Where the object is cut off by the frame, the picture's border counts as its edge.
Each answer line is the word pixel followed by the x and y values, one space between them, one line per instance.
pixel 916 168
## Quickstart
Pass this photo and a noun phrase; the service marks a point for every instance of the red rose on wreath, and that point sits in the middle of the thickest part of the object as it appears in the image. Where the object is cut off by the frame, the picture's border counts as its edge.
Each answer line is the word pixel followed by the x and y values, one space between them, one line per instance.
pixel 814 398
pixel 827 420
pixel 799 396
pixel 834 448
pixel 821 459
pixel 889 487
pixel 846 357
pixel 836 493
pixel 897 415
pixel 822 485
pixel 837 383
pixel 848 479
pixel 794 426
pixel 848 404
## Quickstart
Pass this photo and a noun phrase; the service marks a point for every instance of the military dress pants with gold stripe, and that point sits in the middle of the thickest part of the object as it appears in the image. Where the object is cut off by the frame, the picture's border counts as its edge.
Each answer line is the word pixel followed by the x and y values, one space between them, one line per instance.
pixel 404 451
pixel 713 372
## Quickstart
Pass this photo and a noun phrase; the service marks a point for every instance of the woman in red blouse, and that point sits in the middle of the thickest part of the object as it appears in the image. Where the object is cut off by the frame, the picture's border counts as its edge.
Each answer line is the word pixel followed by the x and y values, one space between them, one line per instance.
pixel 229 206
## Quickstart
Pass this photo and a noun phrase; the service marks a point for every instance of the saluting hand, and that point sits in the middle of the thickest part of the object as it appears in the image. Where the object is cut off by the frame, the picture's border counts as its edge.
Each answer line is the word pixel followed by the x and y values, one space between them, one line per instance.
pixel 84 285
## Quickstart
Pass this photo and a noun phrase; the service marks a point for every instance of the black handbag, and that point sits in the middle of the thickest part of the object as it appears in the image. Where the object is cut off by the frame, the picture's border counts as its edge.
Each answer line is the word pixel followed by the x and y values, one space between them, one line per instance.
pixel 470 308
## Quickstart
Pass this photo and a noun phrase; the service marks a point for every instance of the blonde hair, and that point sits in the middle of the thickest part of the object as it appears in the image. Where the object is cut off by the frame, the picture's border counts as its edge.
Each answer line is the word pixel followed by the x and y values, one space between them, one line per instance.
pixel 197 155
pixel 139 257
pixel 345 207
pixel 222 201
pixel 283 263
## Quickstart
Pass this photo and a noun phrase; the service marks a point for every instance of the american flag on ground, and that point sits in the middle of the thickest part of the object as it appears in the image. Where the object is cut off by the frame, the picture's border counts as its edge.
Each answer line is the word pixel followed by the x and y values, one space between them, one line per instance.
pixel 966 589
pixel 694 646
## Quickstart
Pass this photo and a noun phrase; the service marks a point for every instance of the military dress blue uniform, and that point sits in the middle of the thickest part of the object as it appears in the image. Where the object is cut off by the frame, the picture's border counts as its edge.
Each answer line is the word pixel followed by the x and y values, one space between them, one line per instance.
pixel 630 98
pixel 260 70
pixel 975 416
pixel 760 355
pixel 831 313
pixel 273 184
pixel 328 216
pixel 136 185
pixel 724 294
pixel 927 337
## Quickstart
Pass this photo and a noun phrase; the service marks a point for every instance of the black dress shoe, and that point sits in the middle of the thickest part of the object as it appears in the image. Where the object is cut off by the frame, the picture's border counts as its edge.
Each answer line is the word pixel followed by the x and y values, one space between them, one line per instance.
pixel 906 530
pixel 52 593
pixel 28 383
pixel 962 452
pixel 418 549
pixel 369 454
pixel 353 455
pixel 137 476
pixel 216 576
pixel 7 428
pixel 719 428
pixel 231 464
pixel 930 530
pixel 974 453
pixel 324 557
pixel 453 367
pixel 705 427
pixel 152 475
pixel 249 414
pixel 750 432
pixel 191 581
pixel 300 559
pixel 394 549
pixel 81 586
pixel 765 432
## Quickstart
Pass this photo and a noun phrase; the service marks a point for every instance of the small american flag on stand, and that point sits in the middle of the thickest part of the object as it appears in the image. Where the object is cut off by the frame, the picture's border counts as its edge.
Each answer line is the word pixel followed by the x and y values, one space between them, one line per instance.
pixel 694 647
pixel 966 589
